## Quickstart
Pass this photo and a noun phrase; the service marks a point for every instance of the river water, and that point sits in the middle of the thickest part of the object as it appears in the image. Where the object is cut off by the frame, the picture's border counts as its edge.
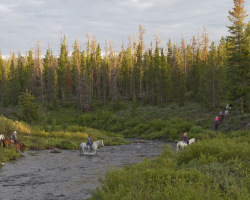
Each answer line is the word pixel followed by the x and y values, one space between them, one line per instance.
pixel 42 175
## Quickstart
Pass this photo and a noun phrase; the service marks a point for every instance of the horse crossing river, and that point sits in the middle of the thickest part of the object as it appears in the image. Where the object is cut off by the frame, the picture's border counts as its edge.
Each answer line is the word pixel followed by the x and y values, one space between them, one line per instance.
pixel 42 175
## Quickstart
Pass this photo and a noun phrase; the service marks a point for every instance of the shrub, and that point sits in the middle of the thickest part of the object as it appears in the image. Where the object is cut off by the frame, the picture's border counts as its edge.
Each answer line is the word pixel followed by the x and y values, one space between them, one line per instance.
pixel 8 126
pixel 219 149
pixel 8 154
pixel 75 128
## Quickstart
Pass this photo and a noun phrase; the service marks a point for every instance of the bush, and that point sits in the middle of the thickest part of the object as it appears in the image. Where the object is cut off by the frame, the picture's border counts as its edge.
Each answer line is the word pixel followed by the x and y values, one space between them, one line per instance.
pixel 162 178
pixel 8 154
pixel 8 126
pixel 172 129
pixel 219 149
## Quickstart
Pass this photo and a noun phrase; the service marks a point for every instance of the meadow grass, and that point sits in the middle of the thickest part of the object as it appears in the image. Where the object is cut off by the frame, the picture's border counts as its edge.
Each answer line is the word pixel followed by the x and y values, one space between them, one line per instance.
pixel 216 168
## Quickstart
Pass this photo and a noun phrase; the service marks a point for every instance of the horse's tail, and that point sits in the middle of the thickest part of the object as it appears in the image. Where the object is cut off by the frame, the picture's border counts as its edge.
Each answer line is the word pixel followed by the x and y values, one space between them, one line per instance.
pixel 4 143
pixel 177 147
pixel 80 149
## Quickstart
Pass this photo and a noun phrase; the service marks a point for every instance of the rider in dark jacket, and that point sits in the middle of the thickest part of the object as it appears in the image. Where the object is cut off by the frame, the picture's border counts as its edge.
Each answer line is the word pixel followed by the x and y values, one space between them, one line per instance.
pixel 89 141
pixel 185 138
pixel 14 137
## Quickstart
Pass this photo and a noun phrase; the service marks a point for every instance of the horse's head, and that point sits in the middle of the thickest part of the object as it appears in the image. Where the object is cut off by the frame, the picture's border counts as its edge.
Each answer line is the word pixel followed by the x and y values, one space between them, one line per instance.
pixel 22 147
pixel 192 141
pixel 101 143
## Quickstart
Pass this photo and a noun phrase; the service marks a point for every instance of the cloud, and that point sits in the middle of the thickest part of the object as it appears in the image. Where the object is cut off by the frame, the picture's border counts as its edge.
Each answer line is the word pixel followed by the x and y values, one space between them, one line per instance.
pixel 24 22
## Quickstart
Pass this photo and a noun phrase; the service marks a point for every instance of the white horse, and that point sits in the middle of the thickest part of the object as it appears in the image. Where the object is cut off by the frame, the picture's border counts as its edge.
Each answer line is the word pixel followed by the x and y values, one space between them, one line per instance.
pixel 85 148
pixel 1 138
pixel 180 145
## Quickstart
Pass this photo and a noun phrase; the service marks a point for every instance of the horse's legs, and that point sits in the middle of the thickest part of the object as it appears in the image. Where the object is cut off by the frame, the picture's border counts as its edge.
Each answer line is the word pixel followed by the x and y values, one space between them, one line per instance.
pixel 177 147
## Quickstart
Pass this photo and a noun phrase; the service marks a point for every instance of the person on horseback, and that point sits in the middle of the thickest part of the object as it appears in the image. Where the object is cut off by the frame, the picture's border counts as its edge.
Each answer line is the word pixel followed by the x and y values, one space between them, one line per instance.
pixel 216 125
pixel 221 116
pixel 90 142
pixel 14 137
pixel 185 138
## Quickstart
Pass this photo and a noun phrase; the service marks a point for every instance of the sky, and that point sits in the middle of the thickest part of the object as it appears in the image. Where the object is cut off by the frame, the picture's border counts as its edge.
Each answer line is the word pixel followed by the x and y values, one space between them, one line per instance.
pixel 25 22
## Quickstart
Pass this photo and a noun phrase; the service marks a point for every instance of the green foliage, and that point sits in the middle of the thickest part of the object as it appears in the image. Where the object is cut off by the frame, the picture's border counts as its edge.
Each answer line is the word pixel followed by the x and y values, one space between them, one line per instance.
pixel 28 108
pixel 218 149
pixel 172 129
pixel 238 70
pixel 8 126
pixel 7 154
pixel 215 168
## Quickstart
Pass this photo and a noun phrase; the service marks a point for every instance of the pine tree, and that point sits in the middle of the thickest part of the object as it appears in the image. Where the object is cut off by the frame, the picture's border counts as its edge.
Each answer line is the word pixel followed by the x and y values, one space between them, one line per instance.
pixel 247 54
pixel 45 74
pixel 238 70
pixel 138 70
pixel 28 107
pixel 30 64
pixel 64 72
pixel 13 83
pixel 2 78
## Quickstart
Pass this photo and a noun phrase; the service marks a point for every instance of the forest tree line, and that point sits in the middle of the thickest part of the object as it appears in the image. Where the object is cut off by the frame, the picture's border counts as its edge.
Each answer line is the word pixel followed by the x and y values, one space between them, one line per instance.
pixel 200 71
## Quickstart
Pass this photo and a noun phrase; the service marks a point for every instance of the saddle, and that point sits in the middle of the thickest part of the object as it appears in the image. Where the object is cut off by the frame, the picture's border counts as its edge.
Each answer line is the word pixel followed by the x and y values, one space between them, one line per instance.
pixel 12 141
pixel 87 148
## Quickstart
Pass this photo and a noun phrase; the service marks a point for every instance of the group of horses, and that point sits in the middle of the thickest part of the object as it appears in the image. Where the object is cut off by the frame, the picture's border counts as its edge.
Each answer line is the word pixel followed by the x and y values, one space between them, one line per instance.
pixel 83 148
pixel 222 115
pixel 10 143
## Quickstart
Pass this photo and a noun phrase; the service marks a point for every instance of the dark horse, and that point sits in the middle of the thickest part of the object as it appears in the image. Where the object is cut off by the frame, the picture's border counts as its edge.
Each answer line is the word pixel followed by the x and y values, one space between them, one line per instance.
pixel 19 145
pixel 216 125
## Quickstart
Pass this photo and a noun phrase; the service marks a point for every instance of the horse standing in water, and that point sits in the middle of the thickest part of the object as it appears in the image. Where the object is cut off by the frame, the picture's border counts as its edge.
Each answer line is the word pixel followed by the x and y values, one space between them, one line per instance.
pixel 19 145
pixel 181 144
pixel 85 148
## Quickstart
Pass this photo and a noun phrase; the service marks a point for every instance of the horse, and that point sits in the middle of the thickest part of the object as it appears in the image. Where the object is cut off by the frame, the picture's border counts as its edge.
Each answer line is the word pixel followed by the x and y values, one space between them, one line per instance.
pixel 84 147
pixel 20 146
pixel 180 145
pixel 9 142
pixel 1 138
pixel 216 125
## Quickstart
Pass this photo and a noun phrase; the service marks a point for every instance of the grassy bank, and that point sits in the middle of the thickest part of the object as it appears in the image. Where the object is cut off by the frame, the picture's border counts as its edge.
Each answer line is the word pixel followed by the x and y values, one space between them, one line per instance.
pixel 66 127
pixel 215 168
pixel 37 137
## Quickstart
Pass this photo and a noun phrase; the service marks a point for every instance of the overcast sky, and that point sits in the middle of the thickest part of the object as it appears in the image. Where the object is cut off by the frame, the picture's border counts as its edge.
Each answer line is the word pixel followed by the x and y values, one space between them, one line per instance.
pixel 24 22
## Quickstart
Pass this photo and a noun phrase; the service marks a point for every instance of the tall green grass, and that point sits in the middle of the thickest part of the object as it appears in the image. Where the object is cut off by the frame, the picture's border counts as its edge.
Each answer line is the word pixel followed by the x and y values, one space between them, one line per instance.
pixel 216 168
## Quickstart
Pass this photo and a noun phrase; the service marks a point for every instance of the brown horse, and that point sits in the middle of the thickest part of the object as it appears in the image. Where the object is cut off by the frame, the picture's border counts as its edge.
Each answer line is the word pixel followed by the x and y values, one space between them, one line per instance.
pixel 19 145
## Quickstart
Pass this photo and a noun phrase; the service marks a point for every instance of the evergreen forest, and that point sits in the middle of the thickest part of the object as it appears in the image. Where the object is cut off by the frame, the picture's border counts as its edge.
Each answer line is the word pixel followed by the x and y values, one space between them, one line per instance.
pixel 199 71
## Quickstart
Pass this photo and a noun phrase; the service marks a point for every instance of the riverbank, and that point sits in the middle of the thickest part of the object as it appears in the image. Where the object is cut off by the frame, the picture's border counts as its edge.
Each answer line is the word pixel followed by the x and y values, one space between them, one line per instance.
pixel 35 137
pixel 214 168
pixel 66 128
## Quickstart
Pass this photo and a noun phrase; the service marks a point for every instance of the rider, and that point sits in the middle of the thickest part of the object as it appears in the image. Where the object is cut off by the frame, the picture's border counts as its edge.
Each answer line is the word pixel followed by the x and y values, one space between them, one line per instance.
pixel 14 137
pixel 216 125
pixel 221 116
pixel 89 141
pixel 185 138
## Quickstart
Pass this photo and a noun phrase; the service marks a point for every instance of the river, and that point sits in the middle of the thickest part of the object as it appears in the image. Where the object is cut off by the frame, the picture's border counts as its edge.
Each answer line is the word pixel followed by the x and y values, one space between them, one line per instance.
pixel 42 175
